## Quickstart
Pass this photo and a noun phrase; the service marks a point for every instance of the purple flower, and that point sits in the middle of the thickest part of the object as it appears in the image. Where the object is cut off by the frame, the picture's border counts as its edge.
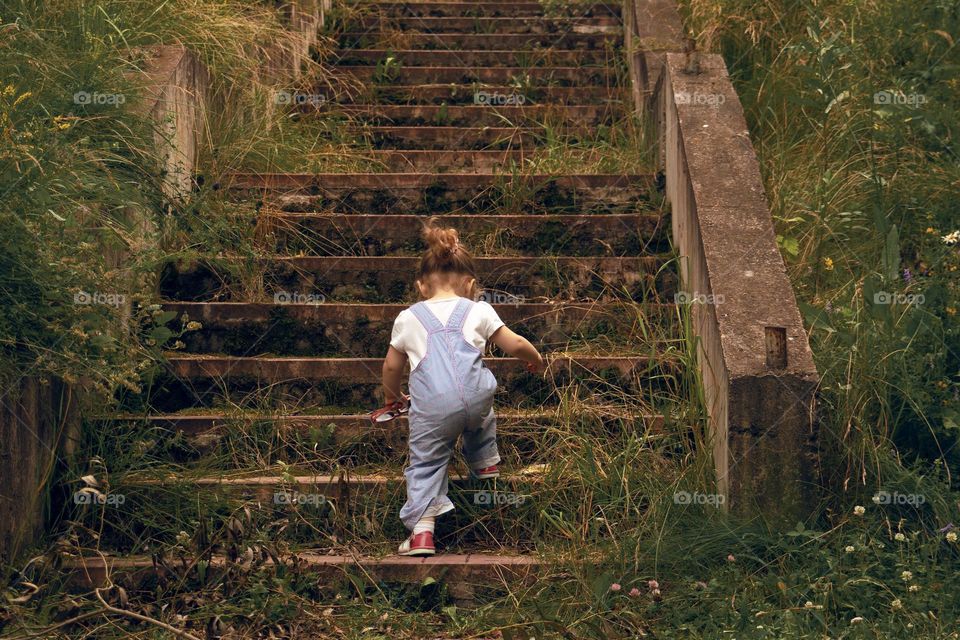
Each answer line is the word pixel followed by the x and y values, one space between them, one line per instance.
pixel 907 276
pixel 949 527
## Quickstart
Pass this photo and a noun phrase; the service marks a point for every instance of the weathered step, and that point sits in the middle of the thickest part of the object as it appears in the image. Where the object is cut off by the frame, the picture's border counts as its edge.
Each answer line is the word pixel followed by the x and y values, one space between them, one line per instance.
pixel 374 54
pixel 547 234
pixel 448 192
pixel 566 46
pixel 490 9
pixel 478 115
pixel 390 278
pixel 482 161
pixel 461 24
pixel 347 429
pixel 461 74
pixel 463 138
pixel 360 330
pixel 460 161
pixel 479 94
pixel 330 443
pixel 329 384
pixel 461 572
pixel 369 370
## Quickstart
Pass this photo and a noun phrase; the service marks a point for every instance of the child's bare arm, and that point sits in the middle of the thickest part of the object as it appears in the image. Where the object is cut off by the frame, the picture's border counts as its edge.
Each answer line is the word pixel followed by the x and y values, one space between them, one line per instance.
pixel 393 366
pixel 518 347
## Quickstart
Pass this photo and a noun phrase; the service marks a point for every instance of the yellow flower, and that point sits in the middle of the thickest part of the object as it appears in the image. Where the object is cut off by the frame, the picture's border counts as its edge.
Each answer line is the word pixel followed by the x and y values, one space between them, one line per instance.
pixel 22 98
pixel 951 311
pixel 931 230
pixel 828 263
pixel 9 90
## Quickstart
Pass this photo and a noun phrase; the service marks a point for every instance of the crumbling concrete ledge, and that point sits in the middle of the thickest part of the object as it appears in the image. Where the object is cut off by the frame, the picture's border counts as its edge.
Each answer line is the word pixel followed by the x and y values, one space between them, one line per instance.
pixel 758 371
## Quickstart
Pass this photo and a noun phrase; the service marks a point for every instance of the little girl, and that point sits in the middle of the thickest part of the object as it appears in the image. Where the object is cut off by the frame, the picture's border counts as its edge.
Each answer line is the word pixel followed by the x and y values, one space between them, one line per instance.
pixel 451 391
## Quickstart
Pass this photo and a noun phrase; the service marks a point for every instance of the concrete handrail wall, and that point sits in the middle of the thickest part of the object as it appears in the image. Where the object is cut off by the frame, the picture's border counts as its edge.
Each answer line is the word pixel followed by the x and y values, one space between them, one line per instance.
pixel 754 357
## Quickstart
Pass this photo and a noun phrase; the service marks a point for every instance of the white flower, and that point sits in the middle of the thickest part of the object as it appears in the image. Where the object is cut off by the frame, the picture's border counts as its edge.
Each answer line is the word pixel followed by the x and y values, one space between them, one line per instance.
pixel 896 604
pixel 876 499
pixel 900 537
pixel 859 511
pixel 906 576
pixel 951 238
pixel 808 605
pixel 952 536
pixel 850 548
pixel 856 620
pixel 913 588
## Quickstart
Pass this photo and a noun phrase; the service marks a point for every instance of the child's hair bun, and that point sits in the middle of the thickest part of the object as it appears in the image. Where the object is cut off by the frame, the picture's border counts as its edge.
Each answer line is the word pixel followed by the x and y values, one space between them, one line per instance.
pixel 443 243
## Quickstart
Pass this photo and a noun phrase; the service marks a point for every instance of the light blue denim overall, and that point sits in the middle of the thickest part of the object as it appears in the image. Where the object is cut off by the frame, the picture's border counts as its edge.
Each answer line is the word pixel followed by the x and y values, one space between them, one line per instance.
pixel 451 394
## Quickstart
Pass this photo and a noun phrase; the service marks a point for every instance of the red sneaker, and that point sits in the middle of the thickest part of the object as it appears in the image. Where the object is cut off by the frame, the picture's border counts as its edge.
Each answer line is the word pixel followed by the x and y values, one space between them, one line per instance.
pixel 485 474
pixel 420 544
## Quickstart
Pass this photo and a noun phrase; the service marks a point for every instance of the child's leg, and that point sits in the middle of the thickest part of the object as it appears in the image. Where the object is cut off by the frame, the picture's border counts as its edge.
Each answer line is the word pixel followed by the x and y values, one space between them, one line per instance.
pixel 480 442
pixel 431 447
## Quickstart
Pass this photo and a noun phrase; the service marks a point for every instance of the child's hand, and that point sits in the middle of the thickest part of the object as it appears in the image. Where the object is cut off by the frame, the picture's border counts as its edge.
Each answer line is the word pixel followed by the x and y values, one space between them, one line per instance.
pixel 538 367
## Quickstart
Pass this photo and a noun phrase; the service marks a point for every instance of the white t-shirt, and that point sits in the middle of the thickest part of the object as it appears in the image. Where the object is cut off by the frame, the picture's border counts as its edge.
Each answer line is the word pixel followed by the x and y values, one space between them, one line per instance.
pixel 410 337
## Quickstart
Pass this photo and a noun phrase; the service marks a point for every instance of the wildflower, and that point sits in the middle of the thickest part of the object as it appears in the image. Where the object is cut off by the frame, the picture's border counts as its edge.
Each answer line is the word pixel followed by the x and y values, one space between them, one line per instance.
pixel 615 587
pixel 9 90
pixel 952 536
pixel 828 264
pixel 634 592
pixel 859 511
pixel 951 311
pixel 653 584
pixel 850 548
pixel 731 558
pixel 907 275
pixel 913 588
pixel 906 576
pixel 931 230
pixel 896 604
pixel 808 605
pixel 856 620
pixel 950 526
pixel 951 238
pixel 899 537
pixel 876 499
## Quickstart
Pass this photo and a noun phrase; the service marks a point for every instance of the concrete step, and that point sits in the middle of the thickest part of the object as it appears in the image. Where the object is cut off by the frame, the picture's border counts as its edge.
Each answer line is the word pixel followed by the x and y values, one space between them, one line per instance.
pixel 329 385
pixel 375 52
pixel 465 575
pixel 484 8
pixel 461 138
pixel 568 47
pixel 476 115
pixel 567 76
pixel 477 94
pixel 376 22
pixel 347 429
pixel 390 278
pixel 448 192
pixel 362 330
pixel 490 161
pixel 545 235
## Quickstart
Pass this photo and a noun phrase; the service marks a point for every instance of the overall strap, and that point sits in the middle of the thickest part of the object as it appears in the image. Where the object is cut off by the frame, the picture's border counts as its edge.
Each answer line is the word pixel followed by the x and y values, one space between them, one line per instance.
pixel 459 315
pixel 426 317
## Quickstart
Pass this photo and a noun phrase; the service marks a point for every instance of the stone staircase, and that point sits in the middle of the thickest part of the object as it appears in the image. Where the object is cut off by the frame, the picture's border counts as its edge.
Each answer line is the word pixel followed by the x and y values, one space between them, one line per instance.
pixel 286 369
